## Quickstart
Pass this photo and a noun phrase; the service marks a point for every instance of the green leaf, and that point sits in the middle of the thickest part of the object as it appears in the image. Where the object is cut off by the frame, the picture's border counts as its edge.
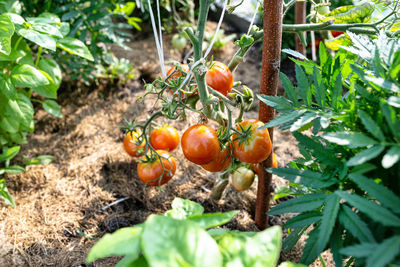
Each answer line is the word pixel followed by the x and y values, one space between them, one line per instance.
pixel 277 102
pixel 394 101
pixel 284 118
pixel 350 139
pixel 352 222
pixel 132 261
pixel 303 203
pixel 385 196
pixel 26 108
pixel 323 57
pixel 379 82
pixel 210 220
pixel 12 6
pixel 50 67
pixel 391 118
pixel 15 18
pixel 9 153
pixel 75 47
pixel 371 125
pixel 52 108
pixel 38 38
pixel 7 31
pixel 51 17
pixel 391 157
pixel 47 29
pixel 359 250
pixel 385 252
pixel 365 155
pixel 291 240
pixel 27 76
pixel 303 219
pixel 303 85
pixel 371 209
pixel 320 90
pixel 64 28
pixel 7 88
pixel 4 194
pixel 14 169
pixel 288 86
pixel 303 120
pixel 125 241
pixel 304 177
pixel 169 242
pixel 335 244
pixel 310 251
pixel 291 264
pixel 183 208
pixel 295 54
pixel 337 91
pixel 328 221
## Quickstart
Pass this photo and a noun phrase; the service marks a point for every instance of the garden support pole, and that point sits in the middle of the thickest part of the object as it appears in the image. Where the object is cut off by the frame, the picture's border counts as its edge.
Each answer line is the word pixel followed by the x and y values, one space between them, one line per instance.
pixel 300 18
pixel 272 21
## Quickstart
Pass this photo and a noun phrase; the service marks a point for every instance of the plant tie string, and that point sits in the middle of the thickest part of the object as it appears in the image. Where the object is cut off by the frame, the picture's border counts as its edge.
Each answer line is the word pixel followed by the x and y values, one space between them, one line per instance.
pixel 253 18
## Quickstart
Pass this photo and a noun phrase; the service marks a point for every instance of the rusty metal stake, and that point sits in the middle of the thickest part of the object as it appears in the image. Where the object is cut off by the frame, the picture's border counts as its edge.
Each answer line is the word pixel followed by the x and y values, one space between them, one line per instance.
pixel 272 20
pixel 300 18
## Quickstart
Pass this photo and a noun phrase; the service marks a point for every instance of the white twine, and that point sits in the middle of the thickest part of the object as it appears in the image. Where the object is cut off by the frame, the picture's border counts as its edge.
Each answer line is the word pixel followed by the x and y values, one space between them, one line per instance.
pixel 253 18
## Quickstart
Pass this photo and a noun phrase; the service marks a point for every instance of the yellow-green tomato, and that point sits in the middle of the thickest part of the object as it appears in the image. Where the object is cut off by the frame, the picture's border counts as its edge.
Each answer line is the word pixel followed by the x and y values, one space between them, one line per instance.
pixel 242 178
pixel 178 41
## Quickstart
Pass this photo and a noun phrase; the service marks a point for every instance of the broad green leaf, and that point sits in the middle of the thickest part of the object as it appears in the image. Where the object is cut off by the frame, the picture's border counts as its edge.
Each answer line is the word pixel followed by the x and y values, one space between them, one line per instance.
pixel 291 264
pixel 304 219
pixel 359 250
pixel 354 14
pixel 299 204
pixel 125 241
pixel 169 242
pixel 9 153
pixel 277 102
pixel 7 30
pixel 183 208
pixel 304 177
pixel 38 38
pixel 9 124
pixel 371 125
pixel 50 67
pixel 328 221
pixel 132 260
pixel 210 220
pixel 303 120
pixel 46 28
pixel 52 17
pixel 291 240
pixel 26 108
pixel 371 209
pixel 12 6
pixel 384 252
pixel 75 47
pixel 310 251
pixel 4 194
pixel 70 15
pixel 14 169
pixel 365 155
pixel 52 108
pixel 350 139
pixel 391 157
pixel 64 28
pixel 284 118
pixel 15 18
pixel 27 76
pixel 40 160
pixel 352 222
pixel 385 196
pixel 289 88
pixel 7 88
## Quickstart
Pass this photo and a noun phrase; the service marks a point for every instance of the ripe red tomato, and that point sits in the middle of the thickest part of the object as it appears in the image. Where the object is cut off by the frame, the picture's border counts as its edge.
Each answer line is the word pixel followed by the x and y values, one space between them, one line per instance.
pixel 255 145
pixel 151 172
pixel 242 178
pixel 165 138
pixel 177 74
pixel 130 145
pixel 220 163
pixel 200 144
pixel 219 77
pixel 336 33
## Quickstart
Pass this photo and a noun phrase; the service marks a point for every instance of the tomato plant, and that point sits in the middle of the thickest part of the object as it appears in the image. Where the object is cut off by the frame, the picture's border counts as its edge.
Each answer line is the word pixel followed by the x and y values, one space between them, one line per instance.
pixel 131 145
pixel 242 178
pixel 220 78
pixel 158 170
pixel 220 162
pixel 164 138
pixel 200 144
pixel 251 144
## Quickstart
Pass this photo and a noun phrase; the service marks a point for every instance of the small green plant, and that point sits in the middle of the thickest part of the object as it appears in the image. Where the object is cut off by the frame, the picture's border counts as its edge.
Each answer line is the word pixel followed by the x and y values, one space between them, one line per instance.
pixel 220 41
pixel 348 180
pixel 28 74
pixel 120 70
pixel 185 236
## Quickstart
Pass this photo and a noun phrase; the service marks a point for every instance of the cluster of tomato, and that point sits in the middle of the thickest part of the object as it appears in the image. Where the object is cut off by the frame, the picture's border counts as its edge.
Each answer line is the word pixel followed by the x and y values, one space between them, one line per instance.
pixel 200 143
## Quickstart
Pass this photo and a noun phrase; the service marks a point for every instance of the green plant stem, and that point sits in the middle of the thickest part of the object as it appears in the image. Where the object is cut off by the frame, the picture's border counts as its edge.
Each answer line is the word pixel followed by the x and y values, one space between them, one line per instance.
pixel 39 54
pixel 17 43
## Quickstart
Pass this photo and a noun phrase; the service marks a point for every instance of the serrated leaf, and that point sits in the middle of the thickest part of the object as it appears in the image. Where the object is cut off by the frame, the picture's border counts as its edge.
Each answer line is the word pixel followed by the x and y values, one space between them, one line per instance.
pixel 391 118
pixel 27 76
pixel 371 125
pixel 385 252
pixel 394 101
pixel 319 88
pixel 304 177
pixel 293 238
pixel 385 196
pixel 303 219
pixel 352 222
pixel 322 53
pixel 359 250
pixel 365 155
pixel 303 85
pixel 371 209
pixel 299 204
pixel 303 120
pixel 391 157
pixel 383 83
pixel 289 88
pixel 310 251
pixel 337 90
pixel 328 221
pixel 75 47
pixel 52 108
pixel 335 244
pixel 277 102
pixel 350 139
pixel 38 38
pixel 284 118
pixel 295 54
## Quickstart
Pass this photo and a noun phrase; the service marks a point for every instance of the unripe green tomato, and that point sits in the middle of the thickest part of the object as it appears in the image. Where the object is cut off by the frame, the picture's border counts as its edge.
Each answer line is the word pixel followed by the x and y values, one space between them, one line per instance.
pixel 178 41
pixel 242 178
pixel 323 10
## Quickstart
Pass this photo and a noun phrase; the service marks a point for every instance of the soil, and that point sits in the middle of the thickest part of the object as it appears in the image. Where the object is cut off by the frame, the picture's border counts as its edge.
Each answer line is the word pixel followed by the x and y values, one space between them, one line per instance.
pixel 60 207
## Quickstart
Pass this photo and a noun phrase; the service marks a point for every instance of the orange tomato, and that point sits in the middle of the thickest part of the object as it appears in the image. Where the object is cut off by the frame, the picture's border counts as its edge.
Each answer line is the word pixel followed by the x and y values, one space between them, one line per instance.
pixel 130 144
pixel 200 144
pixel 165 138
pixel 220 163
pixel 220 78
pixel 254 145
pixel 153 174
pixel 274 162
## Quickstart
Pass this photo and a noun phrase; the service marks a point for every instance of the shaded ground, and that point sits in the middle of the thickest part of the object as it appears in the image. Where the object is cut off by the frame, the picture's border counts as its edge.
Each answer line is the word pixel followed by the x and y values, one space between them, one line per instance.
pixel 59 213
